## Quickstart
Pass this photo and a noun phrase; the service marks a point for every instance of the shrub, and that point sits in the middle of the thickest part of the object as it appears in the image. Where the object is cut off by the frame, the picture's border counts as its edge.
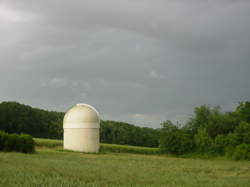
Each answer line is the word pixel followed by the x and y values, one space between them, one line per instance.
pixel 3 139
pixel 225 144
pixel 243 132
pixel 174 140
pixel 219 145
pixel 14 142
pixel 229 150
pixel 27 143
pixel 233 139
pixel 242 152
pixel 203 141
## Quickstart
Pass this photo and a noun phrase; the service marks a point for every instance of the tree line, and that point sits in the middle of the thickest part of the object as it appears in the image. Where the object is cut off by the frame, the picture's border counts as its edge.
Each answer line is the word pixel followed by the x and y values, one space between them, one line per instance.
pixel 126 134
pixel 19 118
pixel 210 132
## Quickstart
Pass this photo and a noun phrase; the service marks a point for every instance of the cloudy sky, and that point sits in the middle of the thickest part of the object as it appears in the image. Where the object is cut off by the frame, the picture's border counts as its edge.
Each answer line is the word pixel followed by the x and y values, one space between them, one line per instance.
pixel 138 61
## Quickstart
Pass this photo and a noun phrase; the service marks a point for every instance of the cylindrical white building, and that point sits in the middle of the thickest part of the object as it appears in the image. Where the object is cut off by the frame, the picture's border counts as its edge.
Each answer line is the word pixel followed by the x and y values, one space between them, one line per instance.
pixel 81 126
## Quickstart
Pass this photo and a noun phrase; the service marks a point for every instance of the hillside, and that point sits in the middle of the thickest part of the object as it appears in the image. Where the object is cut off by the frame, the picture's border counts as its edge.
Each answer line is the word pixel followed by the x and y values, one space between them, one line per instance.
pixel 20 118
pixel 209 131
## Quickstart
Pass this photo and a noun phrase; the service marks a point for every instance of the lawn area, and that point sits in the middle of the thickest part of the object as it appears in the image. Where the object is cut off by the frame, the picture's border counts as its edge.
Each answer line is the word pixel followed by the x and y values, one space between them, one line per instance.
pixel 54 167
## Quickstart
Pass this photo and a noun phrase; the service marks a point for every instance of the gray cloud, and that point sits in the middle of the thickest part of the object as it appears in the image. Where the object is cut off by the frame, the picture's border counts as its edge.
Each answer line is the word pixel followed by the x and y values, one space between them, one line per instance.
pixel 137 61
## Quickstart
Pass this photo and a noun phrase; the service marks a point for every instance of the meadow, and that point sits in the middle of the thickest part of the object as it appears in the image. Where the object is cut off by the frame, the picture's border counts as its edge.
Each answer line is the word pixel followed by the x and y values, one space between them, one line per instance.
pixel 52 166
pixel 104 148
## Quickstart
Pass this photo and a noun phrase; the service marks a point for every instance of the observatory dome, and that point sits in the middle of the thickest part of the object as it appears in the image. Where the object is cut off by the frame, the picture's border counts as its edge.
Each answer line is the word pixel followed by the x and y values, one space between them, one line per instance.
pixel 81 126
pixel 81 116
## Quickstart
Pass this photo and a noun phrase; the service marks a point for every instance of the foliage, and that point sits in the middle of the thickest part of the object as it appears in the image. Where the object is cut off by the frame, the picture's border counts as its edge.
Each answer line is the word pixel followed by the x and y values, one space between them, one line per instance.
pixel 213 132
pixel 220 144
pixel 28 144
pixel 113 132
pixel 14 142
pixel 18 118
pixel 209 131
pixel 3 139
pixel 213 120
pixel 232 139
pixel 242 152
pixel 243 132
pixel 200 120
pixel 244 111
pixel 202 140
pixel 174 140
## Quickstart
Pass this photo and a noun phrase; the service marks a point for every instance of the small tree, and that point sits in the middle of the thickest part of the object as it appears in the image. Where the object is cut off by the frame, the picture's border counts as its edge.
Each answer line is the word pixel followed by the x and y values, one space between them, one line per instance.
pixel 202 141
pixel 3 140
pixel 244 111
pixel 174 140
pixel 243 132
pixel 242 152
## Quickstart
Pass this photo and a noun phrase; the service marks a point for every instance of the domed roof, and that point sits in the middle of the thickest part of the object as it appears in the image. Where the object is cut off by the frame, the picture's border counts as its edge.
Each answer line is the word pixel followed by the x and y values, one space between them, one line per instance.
pixel 81 116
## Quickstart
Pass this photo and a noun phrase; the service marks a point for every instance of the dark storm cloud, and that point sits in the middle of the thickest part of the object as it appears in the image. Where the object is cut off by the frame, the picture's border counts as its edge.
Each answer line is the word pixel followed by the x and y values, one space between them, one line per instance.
pixel 138 61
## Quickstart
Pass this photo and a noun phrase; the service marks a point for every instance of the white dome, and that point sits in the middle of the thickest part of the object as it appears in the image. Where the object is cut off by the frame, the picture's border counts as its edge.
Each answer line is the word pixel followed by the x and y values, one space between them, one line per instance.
pixel 81 116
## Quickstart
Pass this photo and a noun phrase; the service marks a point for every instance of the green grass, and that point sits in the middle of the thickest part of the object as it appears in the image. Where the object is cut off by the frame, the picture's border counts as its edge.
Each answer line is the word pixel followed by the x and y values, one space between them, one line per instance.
pixel 50 143
pixel 50 167
pixel 104 148
pixel 128 149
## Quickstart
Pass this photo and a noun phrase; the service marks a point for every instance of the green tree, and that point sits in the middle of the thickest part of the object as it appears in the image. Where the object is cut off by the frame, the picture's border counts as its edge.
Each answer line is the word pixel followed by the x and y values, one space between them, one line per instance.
pixel 243 133
pixel 244 111
pixel 203 142
pixel 242 152
pixel 174 140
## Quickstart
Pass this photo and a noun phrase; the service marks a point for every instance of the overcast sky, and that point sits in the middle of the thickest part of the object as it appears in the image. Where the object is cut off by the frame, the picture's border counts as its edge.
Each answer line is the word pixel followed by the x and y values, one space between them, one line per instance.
pixel 138 61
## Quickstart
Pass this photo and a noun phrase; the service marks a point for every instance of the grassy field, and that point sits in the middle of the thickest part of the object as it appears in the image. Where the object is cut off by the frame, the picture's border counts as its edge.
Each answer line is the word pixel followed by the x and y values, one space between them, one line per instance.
pixel 51 166
pixel 41 142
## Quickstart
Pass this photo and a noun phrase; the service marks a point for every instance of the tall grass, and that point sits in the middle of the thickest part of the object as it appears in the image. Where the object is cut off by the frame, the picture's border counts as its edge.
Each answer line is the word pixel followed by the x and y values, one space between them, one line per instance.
pixel 49 143
pixel 128 149
pixel 49 167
